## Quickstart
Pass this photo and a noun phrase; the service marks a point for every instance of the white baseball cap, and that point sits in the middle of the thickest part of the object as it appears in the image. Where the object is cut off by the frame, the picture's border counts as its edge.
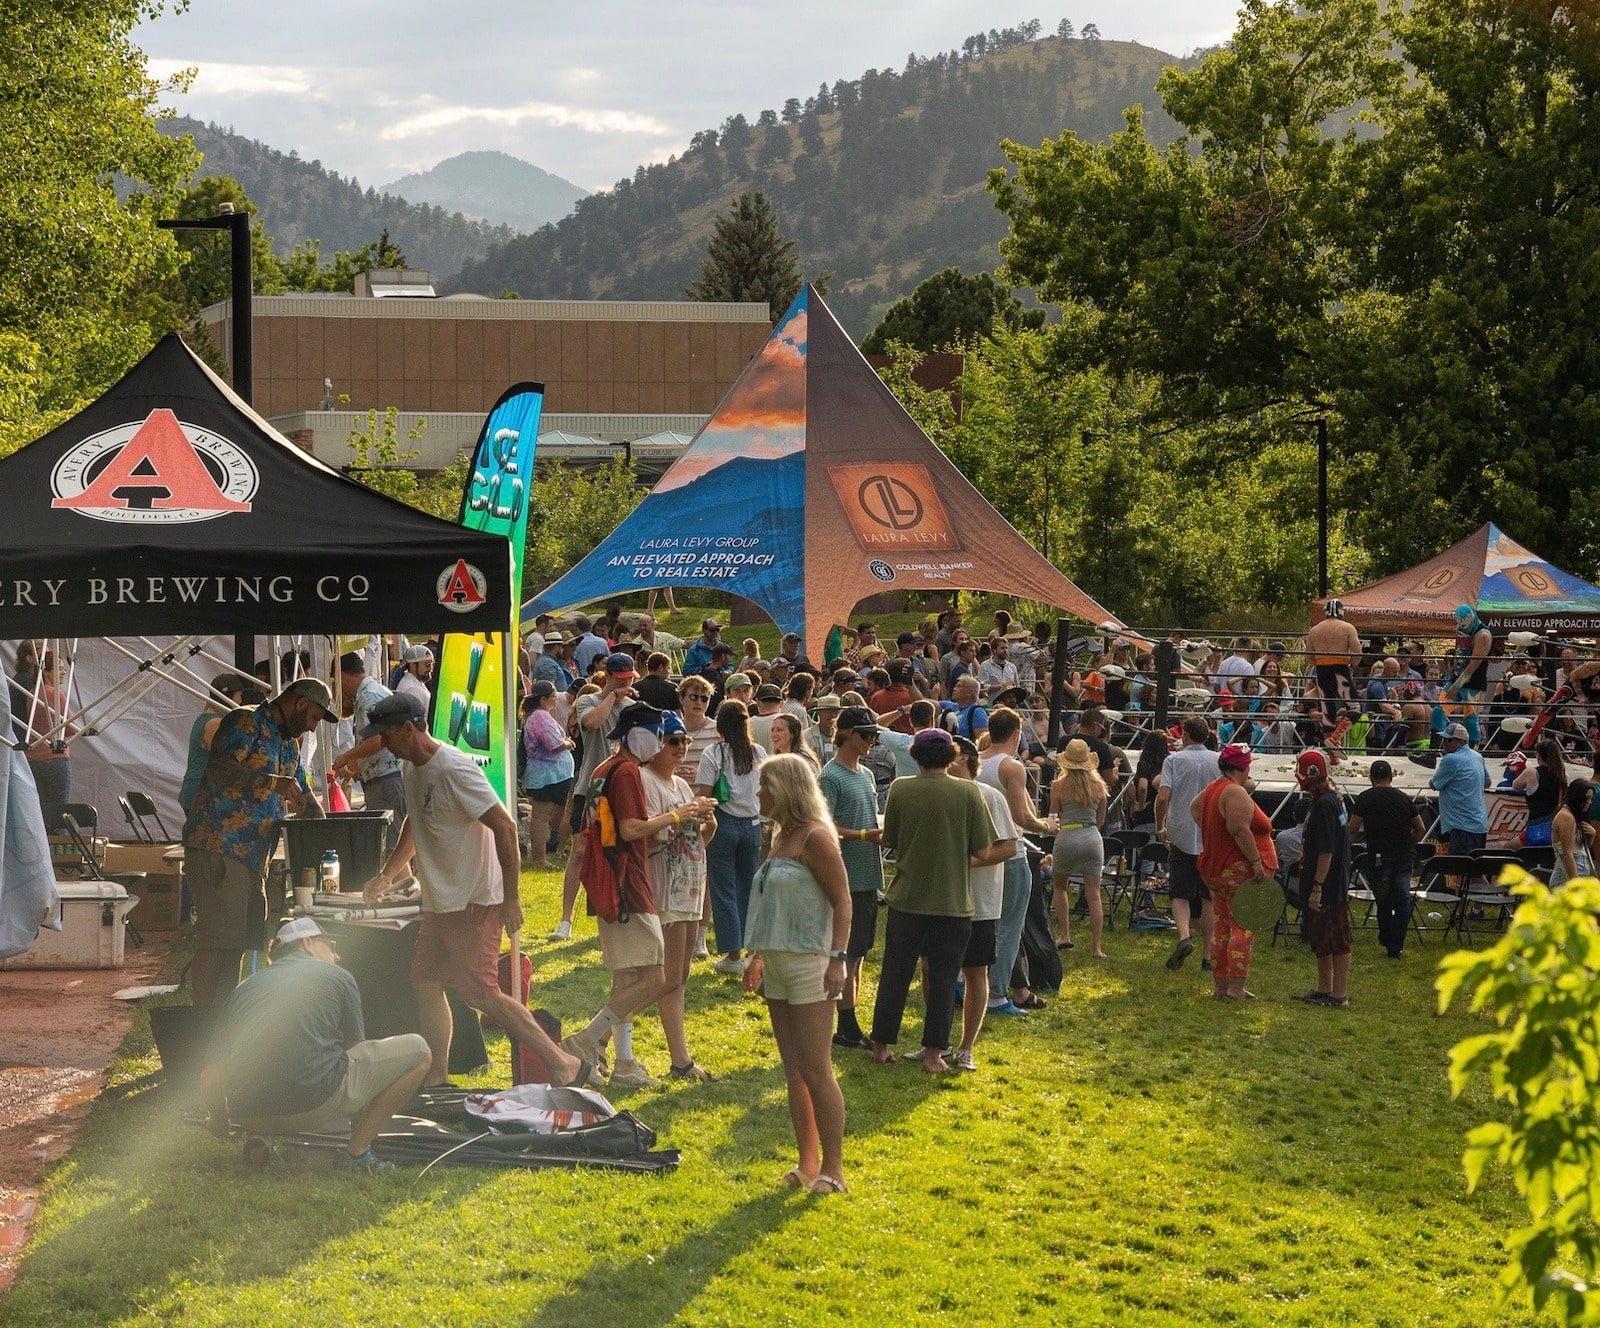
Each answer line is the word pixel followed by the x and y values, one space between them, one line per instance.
pixel 298 929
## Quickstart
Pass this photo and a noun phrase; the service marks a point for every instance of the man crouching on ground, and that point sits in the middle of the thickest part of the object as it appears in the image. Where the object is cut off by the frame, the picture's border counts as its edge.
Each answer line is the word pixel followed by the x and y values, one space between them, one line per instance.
pixel 290 1056
pixel 464 843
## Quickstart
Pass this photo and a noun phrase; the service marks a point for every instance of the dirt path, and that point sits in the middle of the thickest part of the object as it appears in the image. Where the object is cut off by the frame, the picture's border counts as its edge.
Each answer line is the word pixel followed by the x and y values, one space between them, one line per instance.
pixel 58 1034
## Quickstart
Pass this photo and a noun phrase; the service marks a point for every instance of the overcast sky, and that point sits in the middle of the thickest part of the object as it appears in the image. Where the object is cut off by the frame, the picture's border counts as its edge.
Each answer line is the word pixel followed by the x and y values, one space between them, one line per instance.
pixel 588 90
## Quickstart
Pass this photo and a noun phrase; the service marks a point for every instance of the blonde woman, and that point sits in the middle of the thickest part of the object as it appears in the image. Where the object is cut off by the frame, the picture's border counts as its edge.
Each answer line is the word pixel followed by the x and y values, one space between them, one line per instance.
pixel 1079 798
pixel 799 929
pixel 752 652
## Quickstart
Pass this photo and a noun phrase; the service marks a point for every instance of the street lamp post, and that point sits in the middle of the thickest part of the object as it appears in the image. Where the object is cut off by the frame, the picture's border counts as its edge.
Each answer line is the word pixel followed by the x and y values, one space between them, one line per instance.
pixel 237 224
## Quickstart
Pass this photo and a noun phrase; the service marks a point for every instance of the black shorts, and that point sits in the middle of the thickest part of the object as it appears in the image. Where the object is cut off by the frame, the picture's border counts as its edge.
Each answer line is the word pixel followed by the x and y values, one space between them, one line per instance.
pixel 577 813
pixel 1329 676
pixel 556 794
pixel 863 923
pixel 1183 877
pixel 982 944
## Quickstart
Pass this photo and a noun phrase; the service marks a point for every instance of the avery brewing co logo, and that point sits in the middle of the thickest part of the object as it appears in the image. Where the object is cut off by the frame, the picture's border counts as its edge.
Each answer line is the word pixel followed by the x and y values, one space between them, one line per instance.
pixel 158 471
pixel 462 587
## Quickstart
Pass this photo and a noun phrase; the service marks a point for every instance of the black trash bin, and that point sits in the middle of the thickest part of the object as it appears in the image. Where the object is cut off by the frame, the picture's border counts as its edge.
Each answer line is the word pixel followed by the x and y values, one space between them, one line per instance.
pixel 356 836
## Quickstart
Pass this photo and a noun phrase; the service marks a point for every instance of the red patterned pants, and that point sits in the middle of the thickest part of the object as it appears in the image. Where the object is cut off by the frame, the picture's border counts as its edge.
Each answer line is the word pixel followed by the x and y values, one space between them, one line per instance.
pixel 1231 944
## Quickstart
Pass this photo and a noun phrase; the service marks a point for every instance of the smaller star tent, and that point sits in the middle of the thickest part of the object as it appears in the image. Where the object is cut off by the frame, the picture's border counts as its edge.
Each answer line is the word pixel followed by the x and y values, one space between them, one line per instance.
pixel 808 490
pixel 1512 588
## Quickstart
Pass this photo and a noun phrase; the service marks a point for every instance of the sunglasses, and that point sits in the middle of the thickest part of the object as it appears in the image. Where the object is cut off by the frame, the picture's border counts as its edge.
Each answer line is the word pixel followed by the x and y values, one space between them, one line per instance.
pixel 677 740
pixel 702 698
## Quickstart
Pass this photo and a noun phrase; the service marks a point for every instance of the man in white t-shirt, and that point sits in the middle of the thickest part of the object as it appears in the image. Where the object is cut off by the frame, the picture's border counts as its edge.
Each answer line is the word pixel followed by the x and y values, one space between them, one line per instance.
pixel 462 845
pixel 419 672
pixel 1184 775
pixel 1237 672
pixel 988 888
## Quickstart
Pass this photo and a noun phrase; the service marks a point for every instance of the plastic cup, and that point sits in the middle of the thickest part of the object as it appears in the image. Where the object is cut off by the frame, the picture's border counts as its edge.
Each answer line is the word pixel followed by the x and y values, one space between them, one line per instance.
pixel 302 898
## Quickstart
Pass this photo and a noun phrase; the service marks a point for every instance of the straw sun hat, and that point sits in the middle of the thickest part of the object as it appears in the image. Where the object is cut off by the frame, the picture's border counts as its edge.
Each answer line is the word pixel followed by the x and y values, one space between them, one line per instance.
pixel 1077 756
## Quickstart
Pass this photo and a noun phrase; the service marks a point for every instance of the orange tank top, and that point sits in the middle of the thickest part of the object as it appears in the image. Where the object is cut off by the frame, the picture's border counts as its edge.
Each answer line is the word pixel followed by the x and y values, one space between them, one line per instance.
pixel 1218 851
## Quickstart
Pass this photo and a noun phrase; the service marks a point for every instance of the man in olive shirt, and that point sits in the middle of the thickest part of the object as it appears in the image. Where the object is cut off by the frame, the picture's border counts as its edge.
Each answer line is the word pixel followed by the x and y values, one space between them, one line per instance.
pixel 852 796
pixel 939 828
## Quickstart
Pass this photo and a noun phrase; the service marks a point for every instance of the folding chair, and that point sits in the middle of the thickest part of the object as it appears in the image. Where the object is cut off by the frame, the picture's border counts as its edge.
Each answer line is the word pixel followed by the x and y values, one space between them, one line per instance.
pixel 1149 882
pixel 1361 891
pixel 138 831
pixel 1129 844
pixel 74 831
pixel 82 814
pixel 1487 893
pixel 135 803
pixel 1433 894
pixel 1538 860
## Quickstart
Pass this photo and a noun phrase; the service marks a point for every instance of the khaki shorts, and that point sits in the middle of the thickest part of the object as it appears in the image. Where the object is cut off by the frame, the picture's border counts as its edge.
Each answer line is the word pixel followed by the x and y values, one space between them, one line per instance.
pixel 792 977
pixel 230 901
pixel 373 1067
pixel 636 943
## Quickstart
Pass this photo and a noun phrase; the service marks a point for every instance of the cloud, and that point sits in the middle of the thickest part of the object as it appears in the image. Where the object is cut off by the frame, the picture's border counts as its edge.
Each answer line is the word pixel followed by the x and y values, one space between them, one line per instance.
pixel 536 112
pixel 220 79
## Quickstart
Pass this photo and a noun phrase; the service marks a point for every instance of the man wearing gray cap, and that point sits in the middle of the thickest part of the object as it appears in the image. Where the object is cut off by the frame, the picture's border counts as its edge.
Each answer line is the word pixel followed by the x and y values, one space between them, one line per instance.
pixel 252 781
pixel 1461 778
pixel 463 844
pixel 419 672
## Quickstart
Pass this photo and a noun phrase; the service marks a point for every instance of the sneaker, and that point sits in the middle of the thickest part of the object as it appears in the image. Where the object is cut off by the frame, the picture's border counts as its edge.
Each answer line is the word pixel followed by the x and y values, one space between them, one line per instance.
pixel 630 1074
pixel 732 967
pixel 563 932
pixel 368 1162
pixel 700 949
pixel 1181 951
pixel 850 1042
pixel 1329 1000
pixel 1311 997
pixel 1007 1009
pixel 963 1061
pixel 1205 965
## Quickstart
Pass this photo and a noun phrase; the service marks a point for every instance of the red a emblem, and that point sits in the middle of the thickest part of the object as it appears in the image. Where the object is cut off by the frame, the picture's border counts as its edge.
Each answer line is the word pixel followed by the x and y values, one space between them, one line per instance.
pixel 461 589
pixel 158 457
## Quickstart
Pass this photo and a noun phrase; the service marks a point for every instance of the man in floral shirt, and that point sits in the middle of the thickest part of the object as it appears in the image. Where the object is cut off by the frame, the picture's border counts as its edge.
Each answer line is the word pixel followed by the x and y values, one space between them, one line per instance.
pixel 251 783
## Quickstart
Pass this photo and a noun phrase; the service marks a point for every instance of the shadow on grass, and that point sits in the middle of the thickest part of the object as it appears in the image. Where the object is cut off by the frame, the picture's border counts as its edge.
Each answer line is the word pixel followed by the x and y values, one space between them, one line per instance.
pixel 146 1203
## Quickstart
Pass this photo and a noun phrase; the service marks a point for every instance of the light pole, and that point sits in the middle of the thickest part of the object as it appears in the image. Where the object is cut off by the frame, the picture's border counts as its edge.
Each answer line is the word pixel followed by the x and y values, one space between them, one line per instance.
pixel 237 224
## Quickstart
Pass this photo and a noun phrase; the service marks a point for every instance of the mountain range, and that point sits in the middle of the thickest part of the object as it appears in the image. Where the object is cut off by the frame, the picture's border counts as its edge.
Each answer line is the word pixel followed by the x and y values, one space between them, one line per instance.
pixel 879 180
pixel 302 200
pixel 494 186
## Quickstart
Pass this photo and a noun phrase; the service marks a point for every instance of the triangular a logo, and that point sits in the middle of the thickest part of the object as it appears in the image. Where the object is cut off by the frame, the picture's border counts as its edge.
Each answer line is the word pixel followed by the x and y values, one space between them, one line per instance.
pixel 155 474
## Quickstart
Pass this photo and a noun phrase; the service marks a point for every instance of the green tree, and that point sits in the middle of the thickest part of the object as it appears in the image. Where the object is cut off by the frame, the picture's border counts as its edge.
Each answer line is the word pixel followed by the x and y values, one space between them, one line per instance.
pixel 79 267
pixel 376 456
pixel 747 258
pixel 569 512
pixel 1540 984
pixel 949 309
pixel 207 273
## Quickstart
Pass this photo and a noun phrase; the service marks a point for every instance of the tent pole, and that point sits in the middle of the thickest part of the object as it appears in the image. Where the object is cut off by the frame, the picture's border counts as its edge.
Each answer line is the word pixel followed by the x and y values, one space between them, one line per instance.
pixel 511 730
pixel 1058 681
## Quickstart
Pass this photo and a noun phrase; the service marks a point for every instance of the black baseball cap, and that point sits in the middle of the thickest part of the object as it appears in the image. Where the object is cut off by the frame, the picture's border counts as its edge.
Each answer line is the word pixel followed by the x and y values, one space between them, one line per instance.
pixel 393 711
pixel 857 719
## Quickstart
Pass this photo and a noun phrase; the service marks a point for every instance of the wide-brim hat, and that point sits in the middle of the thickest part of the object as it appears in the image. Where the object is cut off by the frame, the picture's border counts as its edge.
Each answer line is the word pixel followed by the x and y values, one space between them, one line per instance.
pixel 1077 755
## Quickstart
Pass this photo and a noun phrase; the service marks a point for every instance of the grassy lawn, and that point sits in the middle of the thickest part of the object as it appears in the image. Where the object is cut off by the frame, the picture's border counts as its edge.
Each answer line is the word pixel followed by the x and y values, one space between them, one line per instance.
pixel 1135 1154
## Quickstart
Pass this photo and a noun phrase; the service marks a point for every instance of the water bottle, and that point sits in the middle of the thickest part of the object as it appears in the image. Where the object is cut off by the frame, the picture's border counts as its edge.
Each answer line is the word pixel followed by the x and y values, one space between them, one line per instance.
pixel 330 872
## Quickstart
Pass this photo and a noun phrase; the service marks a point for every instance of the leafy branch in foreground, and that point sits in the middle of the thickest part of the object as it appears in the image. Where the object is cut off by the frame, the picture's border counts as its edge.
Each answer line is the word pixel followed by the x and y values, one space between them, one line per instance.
pixel 1541 984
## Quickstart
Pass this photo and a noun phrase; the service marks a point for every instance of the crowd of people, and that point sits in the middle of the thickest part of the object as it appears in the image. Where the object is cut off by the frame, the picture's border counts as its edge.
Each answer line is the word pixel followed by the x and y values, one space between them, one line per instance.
pixel 746 814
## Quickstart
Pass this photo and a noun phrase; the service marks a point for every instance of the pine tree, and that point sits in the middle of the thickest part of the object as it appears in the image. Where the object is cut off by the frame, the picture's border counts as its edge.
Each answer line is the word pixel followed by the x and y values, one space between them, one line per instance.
pixel 747 259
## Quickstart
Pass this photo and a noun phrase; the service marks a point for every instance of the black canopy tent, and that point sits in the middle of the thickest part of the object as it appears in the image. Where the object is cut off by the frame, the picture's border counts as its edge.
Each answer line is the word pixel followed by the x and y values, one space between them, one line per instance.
pixel 170 506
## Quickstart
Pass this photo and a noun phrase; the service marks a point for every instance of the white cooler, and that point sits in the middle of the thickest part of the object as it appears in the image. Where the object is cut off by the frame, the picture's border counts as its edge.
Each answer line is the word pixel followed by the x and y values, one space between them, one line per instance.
pixel 94 926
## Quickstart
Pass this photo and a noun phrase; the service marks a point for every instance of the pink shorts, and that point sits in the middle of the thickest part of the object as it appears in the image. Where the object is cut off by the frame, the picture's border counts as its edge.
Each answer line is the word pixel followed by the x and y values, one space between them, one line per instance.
pixel 461 950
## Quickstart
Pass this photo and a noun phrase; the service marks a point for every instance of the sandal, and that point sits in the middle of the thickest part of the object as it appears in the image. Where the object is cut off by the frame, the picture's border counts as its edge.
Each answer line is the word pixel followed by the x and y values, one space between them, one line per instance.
pixel 586 1069
pixel 1032 1001
pixel 825 1184
pixel 797 1178
pixel 691 1073
pixel 1063 945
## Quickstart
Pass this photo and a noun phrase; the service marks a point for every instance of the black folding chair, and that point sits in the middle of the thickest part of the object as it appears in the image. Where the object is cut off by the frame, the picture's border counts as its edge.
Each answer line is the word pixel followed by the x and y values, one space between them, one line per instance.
pixel 1361 891
pixel 1129 844
pixel 135 803
pixel 1538 860
pixel 1441 888
pixel 1485 893
pixel 1150 892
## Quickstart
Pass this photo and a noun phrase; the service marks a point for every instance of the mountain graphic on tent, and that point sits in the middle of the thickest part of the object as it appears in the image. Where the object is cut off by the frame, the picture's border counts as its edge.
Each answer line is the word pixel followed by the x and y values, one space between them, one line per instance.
pixel 807 490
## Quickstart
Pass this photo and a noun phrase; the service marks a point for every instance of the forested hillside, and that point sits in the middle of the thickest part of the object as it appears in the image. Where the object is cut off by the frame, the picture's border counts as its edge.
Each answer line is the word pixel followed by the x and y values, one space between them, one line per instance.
pixel 879 179
pixel 301 200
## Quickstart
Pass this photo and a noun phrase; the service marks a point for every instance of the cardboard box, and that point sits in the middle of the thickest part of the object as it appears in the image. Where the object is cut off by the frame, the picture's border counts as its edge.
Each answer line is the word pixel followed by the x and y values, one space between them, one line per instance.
pixel 160 894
